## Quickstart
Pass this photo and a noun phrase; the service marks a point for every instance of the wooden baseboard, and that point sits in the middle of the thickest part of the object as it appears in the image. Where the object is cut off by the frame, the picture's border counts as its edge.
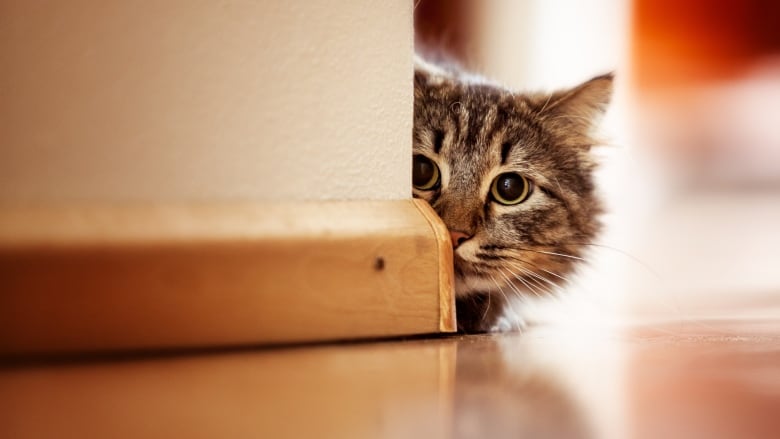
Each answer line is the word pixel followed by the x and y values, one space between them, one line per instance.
pixel 86 279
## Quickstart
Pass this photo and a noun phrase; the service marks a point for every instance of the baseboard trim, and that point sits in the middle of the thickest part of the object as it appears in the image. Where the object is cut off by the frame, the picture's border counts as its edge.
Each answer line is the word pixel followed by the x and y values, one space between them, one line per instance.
pixel 114 278
pixel 446 277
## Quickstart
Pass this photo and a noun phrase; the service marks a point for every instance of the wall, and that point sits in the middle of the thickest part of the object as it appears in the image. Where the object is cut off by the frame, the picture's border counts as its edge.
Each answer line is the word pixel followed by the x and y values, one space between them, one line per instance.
pixel 204 100
pixel 543 45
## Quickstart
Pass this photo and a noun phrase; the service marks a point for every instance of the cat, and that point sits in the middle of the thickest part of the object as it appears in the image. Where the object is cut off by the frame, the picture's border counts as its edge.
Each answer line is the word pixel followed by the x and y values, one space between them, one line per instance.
pixel 511 175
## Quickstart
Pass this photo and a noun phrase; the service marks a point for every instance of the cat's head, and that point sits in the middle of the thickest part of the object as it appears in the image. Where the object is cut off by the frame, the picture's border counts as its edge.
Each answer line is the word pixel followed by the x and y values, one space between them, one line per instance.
pixel 510 174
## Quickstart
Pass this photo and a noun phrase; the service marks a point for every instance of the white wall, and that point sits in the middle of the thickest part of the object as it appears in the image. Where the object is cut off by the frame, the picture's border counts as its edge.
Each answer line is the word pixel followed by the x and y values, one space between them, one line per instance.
pixel 204 100
pixel 550 44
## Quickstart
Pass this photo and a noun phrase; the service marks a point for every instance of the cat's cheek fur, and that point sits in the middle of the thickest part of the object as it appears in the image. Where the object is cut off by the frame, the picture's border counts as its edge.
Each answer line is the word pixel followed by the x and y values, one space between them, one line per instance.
pixel 468 284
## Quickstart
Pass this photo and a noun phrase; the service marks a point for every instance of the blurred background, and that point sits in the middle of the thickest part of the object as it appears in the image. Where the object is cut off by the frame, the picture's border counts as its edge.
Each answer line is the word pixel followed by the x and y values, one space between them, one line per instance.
pixel 691 157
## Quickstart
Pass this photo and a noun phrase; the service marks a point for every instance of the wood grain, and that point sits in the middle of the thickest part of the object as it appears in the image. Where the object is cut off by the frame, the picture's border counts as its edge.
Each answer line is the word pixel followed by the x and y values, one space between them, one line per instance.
pixel 96 278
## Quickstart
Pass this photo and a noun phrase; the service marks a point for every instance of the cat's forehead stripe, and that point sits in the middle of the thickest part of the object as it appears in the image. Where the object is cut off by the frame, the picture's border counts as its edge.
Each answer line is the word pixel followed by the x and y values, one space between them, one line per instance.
pixel 464 119
pixel 488 125
pixel 438 140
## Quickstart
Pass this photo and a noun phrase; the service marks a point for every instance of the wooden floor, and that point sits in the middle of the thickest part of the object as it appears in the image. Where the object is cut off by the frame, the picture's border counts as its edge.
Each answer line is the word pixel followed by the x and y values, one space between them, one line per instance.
pixel 681 380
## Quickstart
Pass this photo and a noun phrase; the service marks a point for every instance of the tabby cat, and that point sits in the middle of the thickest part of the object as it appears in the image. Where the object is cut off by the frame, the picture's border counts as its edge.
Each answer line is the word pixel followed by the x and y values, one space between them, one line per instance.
pixel 511 175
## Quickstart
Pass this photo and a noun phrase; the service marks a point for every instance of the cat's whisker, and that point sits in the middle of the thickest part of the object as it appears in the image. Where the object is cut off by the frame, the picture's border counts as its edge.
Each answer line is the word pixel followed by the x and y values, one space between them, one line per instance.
pixel 573 117
pixel 513 257
pixel 563 255
pixel 522 272
pixel 487 308
pixel 534 274
pixel 644 265
pixel 513 286
pixel 529 286
pixel 531 281
pixel 558 184
pixel 544 252
pixel 523 261
pixel 531 272
pixel 509 282
pixel 526 272
pixel 556 275
pixel 535 278
pixel 507 302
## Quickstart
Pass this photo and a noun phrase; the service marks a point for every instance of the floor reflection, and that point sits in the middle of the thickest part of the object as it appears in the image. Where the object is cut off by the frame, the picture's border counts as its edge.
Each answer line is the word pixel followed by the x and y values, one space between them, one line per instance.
pixel 502 389
pixel 665 381
pixel 715 380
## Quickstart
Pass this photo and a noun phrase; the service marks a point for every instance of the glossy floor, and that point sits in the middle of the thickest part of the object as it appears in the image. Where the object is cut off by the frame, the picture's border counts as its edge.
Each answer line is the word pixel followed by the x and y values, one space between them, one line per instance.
pixel 696 380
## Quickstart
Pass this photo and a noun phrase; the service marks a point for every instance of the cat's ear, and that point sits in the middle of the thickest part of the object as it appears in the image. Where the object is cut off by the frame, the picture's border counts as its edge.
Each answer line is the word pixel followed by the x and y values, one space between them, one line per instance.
pixel 581 107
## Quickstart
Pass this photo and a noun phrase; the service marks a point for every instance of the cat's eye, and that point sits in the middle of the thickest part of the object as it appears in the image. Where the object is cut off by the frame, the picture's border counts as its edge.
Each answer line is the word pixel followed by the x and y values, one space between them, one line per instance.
pixel 425 173
pixel 510 188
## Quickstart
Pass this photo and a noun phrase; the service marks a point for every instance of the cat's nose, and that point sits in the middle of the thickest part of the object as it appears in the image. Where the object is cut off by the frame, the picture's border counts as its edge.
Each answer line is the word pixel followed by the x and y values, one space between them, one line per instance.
pixel 458 238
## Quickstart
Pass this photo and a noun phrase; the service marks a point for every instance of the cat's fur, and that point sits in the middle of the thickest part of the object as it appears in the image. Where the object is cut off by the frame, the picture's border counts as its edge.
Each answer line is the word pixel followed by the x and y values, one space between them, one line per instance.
pixel 480 130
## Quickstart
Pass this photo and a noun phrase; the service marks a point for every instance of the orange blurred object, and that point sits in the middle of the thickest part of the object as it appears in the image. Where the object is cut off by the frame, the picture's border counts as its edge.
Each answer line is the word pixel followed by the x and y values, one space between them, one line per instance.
pixel 684 41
